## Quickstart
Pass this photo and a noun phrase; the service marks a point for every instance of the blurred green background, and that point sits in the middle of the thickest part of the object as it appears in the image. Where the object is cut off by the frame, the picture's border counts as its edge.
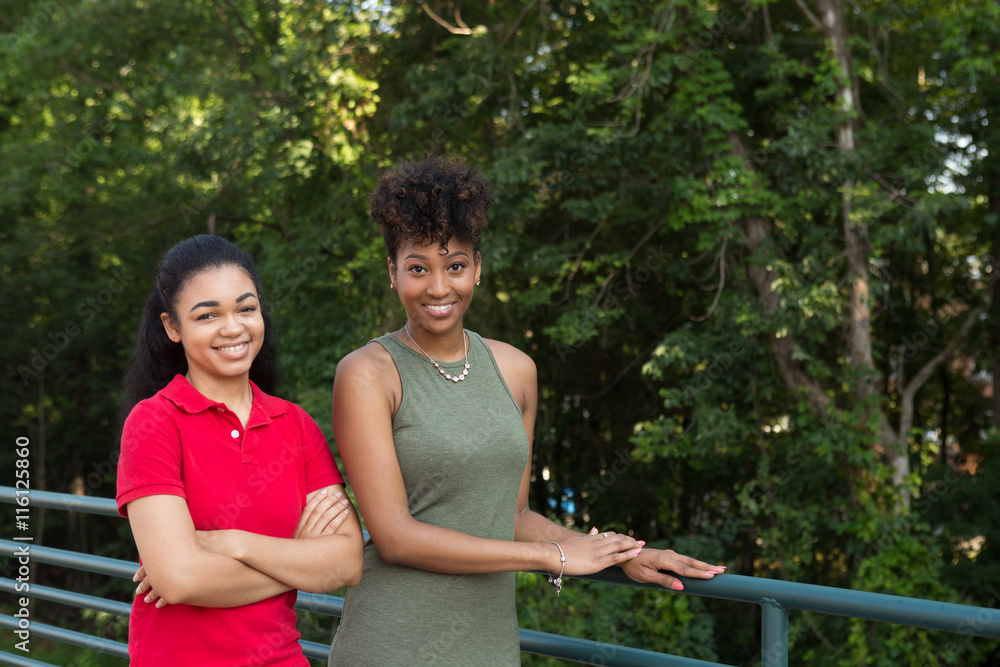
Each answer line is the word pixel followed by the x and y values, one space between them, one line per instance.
pixel 752 247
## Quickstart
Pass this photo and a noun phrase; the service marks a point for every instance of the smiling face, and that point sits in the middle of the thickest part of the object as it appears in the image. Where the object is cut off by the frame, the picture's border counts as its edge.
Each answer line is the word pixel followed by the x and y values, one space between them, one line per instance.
pixel 435 286
pixel 219 323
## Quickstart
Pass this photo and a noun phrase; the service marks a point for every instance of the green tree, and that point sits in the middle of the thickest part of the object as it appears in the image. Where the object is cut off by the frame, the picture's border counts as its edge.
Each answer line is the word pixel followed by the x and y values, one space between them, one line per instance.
pixel 127 126
pixel 749 244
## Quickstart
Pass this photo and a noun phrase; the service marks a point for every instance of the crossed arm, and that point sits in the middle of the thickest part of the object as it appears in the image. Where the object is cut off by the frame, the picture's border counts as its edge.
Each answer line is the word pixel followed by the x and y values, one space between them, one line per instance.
pixel 229 568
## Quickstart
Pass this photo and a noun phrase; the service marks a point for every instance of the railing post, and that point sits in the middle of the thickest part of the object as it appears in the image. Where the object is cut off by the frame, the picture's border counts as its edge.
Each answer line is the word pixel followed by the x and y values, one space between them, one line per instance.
pixel 773 634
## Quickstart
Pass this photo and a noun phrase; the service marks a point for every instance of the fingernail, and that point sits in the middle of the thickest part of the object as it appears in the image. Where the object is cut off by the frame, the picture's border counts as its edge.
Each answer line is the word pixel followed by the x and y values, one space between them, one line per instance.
pixel 677 586
pixel 322 492
pixel 345 512
pixel 337 494
pixel 344 501
pixel 642 543
pixel 593 531
pixel 636 551
pixel 137 589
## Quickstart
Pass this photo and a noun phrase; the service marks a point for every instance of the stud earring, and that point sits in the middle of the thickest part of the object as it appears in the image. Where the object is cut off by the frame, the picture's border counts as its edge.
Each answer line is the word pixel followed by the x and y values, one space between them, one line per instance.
pixel 392 285
pixel 477 282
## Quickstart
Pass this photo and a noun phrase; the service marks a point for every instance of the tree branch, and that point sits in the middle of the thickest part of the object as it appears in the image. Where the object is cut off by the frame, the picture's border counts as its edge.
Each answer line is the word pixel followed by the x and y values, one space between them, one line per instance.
pixel 460 22
pixel 896 194
pixel 809 15
pixel 633 86
pixel 631 254
pixel 796 380
pixel 583 253
pixel 722 282
pixel 909 392
pixel 440 21
pixel 783 347
pixel 513 27
pixel 243 24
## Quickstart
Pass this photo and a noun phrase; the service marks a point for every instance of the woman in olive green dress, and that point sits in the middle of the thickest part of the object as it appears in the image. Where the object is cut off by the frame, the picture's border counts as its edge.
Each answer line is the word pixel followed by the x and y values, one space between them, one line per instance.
pixel 434 425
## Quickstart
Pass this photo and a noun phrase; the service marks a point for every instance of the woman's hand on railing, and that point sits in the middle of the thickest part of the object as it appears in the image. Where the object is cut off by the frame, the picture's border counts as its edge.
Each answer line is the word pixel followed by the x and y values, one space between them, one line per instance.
pixel 593 552
pixel 651 565
pixel 145 588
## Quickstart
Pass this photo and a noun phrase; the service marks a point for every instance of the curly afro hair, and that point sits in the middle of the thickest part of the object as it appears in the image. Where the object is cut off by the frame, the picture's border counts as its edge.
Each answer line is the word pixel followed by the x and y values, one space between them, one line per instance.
pixel 431 201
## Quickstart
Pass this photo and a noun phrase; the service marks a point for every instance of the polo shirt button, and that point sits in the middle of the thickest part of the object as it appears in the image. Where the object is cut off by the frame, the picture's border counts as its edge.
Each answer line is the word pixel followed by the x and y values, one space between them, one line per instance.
pixel 235 433
pixel 221 409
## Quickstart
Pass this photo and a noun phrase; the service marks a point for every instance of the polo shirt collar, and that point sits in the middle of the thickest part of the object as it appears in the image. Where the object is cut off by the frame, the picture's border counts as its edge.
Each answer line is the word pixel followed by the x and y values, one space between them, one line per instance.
pixel 181 393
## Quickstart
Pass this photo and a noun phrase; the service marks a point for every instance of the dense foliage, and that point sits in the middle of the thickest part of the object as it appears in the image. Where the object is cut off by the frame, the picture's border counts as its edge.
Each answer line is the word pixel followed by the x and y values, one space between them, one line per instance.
pixel 751 246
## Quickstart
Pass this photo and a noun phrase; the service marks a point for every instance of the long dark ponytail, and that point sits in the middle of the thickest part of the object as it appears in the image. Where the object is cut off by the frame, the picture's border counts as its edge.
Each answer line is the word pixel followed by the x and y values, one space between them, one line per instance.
pixel 157 359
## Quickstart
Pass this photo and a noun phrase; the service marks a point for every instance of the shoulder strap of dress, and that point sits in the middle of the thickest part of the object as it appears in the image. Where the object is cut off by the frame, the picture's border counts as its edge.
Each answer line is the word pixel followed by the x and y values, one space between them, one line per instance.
pixel 476 338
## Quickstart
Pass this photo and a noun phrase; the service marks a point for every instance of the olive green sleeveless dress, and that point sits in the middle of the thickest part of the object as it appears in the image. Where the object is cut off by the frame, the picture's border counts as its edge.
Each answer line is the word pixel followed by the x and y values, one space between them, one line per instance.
pixel 462 450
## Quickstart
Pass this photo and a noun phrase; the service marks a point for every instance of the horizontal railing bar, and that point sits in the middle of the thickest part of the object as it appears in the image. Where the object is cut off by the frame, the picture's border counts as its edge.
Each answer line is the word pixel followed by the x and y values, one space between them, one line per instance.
pixel 315 649
pixel 61 501
pixel 14 660
pixel 81 600
pixel 569 648
pixel 331 605
pixel 323 604
pixel 598 653
pixel 579 650
pixel 71 637
pixel 114 567
pixel 930 614
pixel 110 646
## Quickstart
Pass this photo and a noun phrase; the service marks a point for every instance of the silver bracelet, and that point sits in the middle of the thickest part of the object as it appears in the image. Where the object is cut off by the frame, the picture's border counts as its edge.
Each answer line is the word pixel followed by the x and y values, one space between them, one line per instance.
pixel 557 581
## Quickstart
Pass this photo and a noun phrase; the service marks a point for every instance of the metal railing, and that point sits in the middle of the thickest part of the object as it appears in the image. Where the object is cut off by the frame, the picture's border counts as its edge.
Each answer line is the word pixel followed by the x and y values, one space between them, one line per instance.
pixel 775 597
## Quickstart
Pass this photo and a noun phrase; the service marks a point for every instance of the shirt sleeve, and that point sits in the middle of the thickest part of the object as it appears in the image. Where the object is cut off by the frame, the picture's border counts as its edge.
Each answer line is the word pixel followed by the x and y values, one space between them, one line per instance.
pixel 150 459
pixel 321 469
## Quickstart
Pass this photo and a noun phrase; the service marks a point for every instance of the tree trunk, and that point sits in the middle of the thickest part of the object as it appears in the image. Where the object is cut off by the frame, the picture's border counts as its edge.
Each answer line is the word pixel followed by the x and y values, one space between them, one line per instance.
pixel 831 23
pixel 781 346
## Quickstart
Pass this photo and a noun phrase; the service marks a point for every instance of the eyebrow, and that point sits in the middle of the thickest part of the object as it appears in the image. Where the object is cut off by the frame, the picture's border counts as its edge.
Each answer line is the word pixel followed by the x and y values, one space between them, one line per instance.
pixel 451 255
pixel 204 304
pixel 215 304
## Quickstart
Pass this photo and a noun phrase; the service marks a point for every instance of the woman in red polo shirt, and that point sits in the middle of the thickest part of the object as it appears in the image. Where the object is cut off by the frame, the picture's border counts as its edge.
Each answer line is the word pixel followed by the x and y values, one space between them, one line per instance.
pixel 233 496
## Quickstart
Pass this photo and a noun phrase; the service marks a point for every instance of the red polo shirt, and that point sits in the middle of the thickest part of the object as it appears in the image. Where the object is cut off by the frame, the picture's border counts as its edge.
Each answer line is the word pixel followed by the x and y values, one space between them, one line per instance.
pixel 256 479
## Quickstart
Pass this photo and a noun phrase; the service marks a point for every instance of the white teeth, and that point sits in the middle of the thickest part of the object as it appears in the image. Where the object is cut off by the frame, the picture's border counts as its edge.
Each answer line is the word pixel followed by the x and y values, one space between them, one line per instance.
pixel 232 348
pixel 429 307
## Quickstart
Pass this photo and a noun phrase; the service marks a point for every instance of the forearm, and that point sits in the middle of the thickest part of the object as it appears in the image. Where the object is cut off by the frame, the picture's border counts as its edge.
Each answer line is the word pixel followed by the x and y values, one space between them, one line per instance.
pixel 208 579
pixel 530 526
pixel 313 564
pixel 435 549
